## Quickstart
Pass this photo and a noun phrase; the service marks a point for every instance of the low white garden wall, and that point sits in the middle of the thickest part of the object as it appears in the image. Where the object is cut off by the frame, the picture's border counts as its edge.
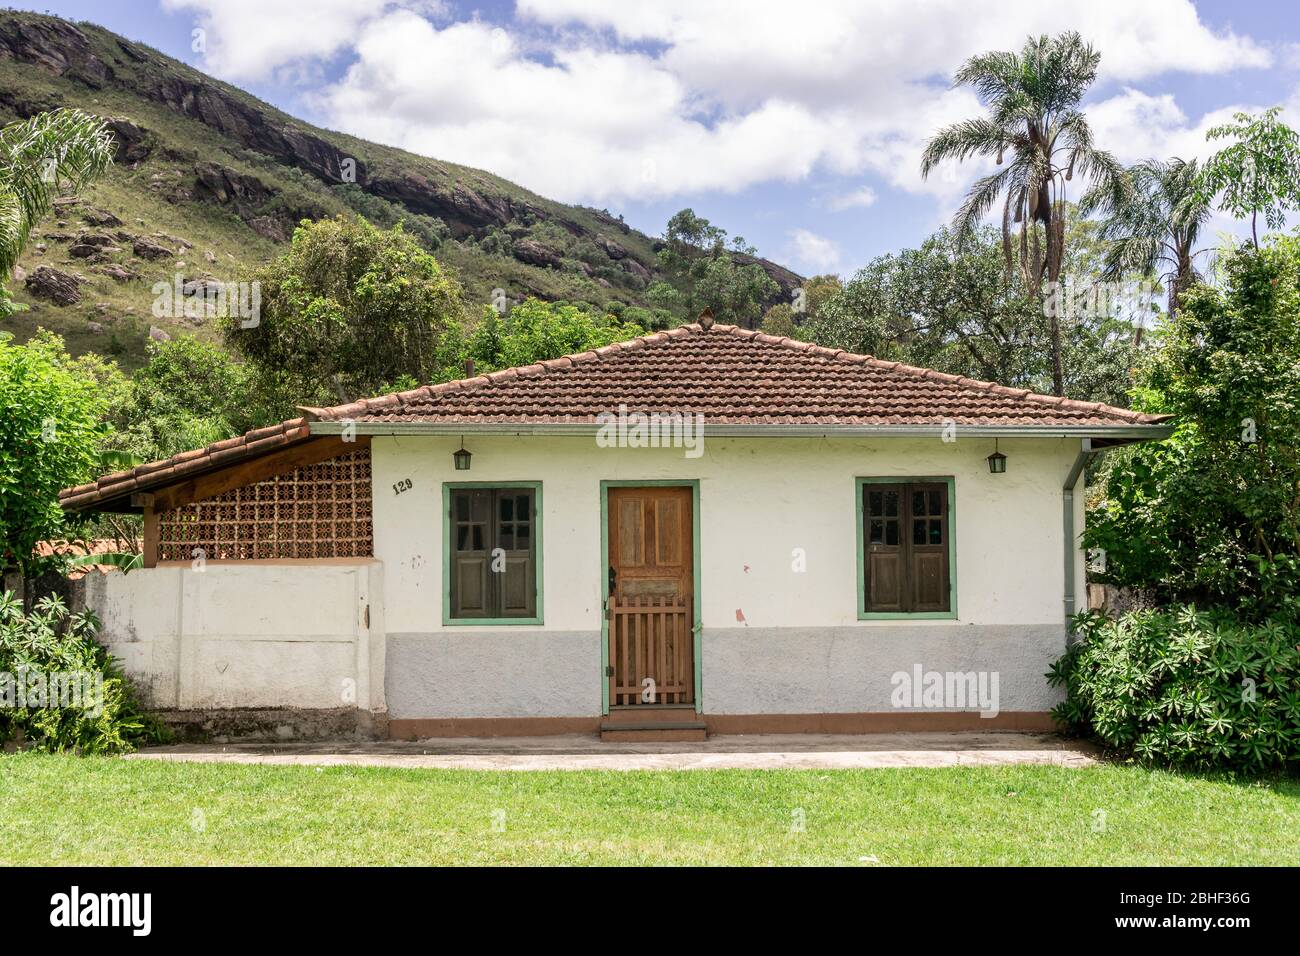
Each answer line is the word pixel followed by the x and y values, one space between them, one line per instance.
pixel 248 634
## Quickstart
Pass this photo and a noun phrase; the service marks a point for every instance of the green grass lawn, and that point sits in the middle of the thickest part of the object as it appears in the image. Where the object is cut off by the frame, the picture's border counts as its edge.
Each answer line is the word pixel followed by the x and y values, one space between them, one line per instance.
pixel 67 810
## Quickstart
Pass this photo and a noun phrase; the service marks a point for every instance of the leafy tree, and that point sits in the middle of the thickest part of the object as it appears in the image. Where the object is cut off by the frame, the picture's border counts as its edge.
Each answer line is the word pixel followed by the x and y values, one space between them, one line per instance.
pixel 533 331
pixel 347 310
pixel 51 430
pixel 779 320
pixel 1033 123
pixel 704 271
pixel 1104 318
pixel 652 320
pixel 63 149
pixel 430 230
pixel 733 291
pixel 1259 173
pixel 805 305
pixel 959 311
pixel 188 394
pixel 1153 229
pixel 1213 515
pixel 689 240
pixel 816 292
pixel 665 296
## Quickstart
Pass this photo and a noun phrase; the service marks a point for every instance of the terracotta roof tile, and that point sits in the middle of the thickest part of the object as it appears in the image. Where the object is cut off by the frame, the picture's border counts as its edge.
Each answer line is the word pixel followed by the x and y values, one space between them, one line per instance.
pixel 731 376
pixel 185 464
pixel 727 374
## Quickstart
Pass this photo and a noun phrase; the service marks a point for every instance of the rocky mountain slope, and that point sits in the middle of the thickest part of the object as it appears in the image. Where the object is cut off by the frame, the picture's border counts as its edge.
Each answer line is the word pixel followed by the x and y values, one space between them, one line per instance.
pixel 210 180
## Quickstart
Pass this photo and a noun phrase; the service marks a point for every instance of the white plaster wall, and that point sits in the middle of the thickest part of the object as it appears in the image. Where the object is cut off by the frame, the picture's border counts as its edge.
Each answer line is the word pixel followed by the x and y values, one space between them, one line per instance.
pixel 775 640
pixel 251 634
pixel 140 617
pixel 760 500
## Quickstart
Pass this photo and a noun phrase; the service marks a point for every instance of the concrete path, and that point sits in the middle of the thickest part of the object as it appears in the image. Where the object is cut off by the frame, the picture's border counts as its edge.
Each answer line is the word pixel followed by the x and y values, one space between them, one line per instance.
pixel 580 752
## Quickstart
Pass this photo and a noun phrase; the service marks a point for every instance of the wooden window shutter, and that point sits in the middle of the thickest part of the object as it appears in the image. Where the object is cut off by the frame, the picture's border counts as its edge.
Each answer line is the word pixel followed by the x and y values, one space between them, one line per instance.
pixel 493 553
pixel 884 547
pixel 927 545
pixel 471 553
pixel 515 586
pixel 905 532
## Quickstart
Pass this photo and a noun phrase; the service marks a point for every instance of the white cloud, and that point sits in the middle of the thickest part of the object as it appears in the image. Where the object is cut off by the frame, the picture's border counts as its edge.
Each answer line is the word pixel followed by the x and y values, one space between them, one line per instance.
pixel 253 40
pixel 1141 126
pixel 597 102
pixel 813 254
pixel 590 125
pixel 741 47
pixel 855 199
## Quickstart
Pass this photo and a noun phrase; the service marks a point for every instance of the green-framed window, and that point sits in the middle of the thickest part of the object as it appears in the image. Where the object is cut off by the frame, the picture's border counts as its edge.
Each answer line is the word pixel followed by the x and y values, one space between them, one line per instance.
pixel 906 532
pixel 492 553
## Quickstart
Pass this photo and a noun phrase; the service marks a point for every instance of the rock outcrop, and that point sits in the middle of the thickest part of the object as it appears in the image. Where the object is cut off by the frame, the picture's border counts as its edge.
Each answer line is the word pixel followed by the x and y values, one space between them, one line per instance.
pixel 536 254
pixel 150 250
pixel 224 185
pixel 59 287
pixel 99 217
pixel 133 141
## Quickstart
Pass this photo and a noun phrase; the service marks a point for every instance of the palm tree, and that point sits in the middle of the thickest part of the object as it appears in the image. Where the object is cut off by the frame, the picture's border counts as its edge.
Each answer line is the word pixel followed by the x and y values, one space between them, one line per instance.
pixel 66 149
pixel 1034 129
pixel 1153 232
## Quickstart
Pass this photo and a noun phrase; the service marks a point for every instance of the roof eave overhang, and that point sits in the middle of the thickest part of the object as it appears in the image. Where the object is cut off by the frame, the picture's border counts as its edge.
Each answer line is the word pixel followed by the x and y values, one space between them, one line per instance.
pixel 1135 432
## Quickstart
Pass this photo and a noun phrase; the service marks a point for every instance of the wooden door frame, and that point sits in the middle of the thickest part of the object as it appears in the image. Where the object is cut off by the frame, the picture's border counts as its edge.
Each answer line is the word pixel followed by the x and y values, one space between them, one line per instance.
pixel 698 628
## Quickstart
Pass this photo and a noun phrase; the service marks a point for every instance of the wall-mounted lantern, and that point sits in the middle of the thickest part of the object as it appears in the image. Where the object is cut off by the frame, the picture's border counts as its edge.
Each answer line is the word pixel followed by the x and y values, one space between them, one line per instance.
pixel 997 461
pixel 461 457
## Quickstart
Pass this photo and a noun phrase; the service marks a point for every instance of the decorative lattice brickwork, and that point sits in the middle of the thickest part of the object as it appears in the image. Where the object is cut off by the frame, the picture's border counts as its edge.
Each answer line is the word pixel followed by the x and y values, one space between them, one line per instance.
pixel 318 511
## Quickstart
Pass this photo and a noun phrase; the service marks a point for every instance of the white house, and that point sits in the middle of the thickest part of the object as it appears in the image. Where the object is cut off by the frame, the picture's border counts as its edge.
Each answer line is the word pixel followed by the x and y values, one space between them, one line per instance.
pixel 705 529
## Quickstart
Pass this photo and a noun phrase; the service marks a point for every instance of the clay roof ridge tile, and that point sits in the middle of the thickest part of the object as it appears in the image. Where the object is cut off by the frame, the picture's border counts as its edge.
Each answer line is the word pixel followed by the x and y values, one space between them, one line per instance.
pixel 257 433
pixel 116 478
pixel 118 482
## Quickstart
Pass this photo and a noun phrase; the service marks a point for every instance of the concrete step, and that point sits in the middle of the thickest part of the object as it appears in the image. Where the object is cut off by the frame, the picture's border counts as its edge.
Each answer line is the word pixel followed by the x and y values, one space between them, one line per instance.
pixel 652 714
pixel 654 731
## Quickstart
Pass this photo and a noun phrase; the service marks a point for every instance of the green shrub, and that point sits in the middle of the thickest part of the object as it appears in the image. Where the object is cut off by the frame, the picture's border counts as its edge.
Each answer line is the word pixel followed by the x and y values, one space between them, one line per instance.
pixel 1212 516
pixel 48 641
pixel 1185 688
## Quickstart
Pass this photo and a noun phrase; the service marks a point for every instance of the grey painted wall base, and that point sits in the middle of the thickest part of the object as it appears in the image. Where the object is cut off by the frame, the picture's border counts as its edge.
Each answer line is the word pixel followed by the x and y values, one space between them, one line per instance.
pixel 520 672
pixel 850 669
pixel 485 672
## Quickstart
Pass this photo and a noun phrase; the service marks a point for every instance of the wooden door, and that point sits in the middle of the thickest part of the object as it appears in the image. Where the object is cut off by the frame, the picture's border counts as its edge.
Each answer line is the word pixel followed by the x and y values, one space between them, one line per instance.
pixel 651 578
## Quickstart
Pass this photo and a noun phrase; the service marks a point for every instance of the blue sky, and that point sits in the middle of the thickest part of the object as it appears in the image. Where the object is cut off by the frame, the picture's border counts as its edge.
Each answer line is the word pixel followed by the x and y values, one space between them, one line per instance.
pixel 797 126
